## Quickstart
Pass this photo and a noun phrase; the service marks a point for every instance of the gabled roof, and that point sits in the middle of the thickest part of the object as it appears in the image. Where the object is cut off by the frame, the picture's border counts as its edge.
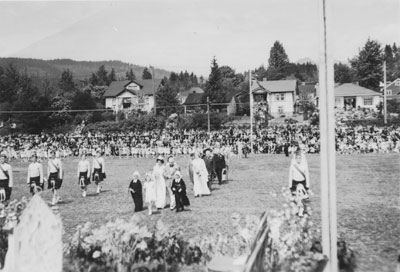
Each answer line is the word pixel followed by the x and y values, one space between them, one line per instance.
pixel 116 87
pixel 273 86
pixel 279 86
pixel 193 98
pixel 191 90
pixel 350 89
pixel 146 87
pixel 392 86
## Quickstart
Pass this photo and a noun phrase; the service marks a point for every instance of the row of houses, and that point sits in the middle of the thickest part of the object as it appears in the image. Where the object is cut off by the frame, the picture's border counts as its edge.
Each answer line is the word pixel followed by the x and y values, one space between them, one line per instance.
pixel 278 97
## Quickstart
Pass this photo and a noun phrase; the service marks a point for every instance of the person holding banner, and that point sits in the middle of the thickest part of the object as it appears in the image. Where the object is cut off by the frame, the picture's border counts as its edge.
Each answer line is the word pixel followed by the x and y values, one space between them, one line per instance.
pixel 98 170
pixel 6 179
pixel 35 176
pixel 55 175
pixel 83 173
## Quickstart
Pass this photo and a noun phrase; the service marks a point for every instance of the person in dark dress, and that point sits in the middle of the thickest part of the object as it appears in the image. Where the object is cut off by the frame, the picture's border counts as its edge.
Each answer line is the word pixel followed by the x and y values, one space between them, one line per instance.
pixel 209 161
pixel 179 190
pixel 135 188
pixel 219 164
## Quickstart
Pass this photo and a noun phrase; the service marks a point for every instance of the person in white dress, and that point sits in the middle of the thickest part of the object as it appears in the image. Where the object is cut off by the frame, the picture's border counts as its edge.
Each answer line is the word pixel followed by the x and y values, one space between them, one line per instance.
pixel 149 187
pixel 161 190
pixel 200 177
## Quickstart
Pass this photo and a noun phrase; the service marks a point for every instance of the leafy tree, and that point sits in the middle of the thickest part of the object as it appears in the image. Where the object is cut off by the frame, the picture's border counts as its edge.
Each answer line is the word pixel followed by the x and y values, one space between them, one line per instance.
pixel 343 73
pixel 167 100
pixel 9 84
pixel 66 83
pixel 130 75
pixel 368 65
pixel 82 100
pixel 277 61
pixel 146 74
pixel 260 73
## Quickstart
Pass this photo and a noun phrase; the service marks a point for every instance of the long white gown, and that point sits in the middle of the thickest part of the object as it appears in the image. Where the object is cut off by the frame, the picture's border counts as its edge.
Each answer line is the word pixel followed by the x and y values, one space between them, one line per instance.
pixel 158 172
pixel 200 177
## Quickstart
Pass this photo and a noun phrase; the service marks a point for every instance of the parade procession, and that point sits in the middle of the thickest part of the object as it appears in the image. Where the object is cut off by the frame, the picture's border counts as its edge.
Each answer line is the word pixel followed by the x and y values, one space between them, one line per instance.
pixel 182 136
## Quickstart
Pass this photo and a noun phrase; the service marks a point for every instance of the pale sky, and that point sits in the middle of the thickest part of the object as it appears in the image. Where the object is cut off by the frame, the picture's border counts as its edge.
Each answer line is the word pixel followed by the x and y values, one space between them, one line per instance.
pixel 185 34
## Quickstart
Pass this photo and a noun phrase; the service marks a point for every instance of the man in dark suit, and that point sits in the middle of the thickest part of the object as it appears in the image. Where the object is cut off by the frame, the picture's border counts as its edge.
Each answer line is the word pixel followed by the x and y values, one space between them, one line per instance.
pixel 219 164
pixel 209 161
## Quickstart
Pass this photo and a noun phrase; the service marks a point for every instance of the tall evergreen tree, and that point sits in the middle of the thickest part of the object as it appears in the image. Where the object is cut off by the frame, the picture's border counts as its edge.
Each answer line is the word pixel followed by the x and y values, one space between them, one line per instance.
pixel 130 75
pixel 278 59
pixel 213 86
pixel 146 74
pixel 368 65
pixel 111 77
pixel 102 77
pixel 94 80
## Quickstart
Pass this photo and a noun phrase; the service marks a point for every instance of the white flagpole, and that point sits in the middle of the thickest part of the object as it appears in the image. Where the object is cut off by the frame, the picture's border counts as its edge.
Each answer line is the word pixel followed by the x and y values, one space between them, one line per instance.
pixel 327 130
pixel 251 113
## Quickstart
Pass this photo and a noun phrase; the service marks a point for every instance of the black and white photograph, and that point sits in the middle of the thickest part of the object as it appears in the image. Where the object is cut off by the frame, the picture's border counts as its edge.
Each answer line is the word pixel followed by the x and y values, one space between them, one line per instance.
pixel 200 135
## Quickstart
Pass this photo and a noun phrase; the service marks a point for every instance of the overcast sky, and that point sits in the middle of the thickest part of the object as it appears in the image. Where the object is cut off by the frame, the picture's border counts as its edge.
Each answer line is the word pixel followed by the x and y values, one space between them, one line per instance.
pixel 185 34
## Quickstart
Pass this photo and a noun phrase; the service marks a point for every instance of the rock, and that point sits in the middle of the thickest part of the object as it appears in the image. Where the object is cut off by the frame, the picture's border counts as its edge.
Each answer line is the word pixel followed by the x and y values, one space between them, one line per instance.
pixel 36 242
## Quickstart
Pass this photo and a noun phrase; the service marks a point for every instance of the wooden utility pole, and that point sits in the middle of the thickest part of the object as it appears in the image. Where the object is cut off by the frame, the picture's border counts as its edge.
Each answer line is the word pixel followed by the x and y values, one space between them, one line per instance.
pixel 384 94
pixel 208 114
pixel 327 128
pixel 154 90
pixel 251 113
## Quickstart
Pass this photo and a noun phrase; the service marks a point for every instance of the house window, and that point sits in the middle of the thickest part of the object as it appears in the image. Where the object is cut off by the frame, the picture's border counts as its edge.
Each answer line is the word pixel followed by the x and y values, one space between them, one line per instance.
pixel 397 83
pixel 368 101
pixel 280 110
pixel 280 97
pixel 126 103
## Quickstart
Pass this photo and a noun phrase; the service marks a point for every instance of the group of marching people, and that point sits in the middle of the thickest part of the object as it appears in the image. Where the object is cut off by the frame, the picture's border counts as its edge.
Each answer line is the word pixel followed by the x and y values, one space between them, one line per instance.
pixel 36 179
pixel 166 179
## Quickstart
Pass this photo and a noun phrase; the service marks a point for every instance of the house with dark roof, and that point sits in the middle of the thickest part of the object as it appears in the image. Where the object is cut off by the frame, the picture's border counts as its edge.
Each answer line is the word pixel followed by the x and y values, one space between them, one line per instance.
pixel 184 94
pixel 352 96
pixel 128 95
pixel 393 89
pixel 194 103
pixel 275 97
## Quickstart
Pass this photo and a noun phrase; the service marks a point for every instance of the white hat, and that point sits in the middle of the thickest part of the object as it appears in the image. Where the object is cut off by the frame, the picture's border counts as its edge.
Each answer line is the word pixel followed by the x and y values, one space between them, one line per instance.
pixel 160 158
pixel 178 173
pixel 137 174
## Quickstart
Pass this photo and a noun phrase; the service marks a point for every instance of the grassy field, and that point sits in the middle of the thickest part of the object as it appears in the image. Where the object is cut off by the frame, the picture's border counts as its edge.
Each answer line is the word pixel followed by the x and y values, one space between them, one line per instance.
pixel 368 192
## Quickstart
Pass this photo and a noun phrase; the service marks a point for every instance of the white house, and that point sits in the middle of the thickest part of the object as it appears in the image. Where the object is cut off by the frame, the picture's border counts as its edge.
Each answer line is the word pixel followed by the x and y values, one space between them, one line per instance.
pixel 349 96
pixel 128 95
pixel 275 96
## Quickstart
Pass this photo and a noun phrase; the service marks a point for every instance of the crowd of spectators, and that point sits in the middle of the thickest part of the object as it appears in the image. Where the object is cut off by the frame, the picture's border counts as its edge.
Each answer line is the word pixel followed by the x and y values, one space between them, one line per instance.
pixel 277 139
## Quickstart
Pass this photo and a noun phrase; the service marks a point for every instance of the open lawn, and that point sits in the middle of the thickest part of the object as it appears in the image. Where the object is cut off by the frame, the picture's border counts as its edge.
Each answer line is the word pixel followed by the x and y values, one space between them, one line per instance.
pixel 368 192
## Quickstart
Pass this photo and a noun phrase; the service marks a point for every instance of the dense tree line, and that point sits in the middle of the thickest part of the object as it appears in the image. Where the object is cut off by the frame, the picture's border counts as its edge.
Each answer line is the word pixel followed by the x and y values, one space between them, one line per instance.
pixel 35 106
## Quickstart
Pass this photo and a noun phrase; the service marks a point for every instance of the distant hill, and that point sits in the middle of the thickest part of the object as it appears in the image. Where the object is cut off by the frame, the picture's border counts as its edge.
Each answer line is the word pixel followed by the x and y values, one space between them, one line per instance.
pixel 80 69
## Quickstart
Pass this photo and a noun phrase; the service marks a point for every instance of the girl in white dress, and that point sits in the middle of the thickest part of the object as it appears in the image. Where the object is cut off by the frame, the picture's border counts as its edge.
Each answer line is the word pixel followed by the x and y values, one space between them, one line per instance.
pixel 200 176
pixel 150 191
pixel 161 190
